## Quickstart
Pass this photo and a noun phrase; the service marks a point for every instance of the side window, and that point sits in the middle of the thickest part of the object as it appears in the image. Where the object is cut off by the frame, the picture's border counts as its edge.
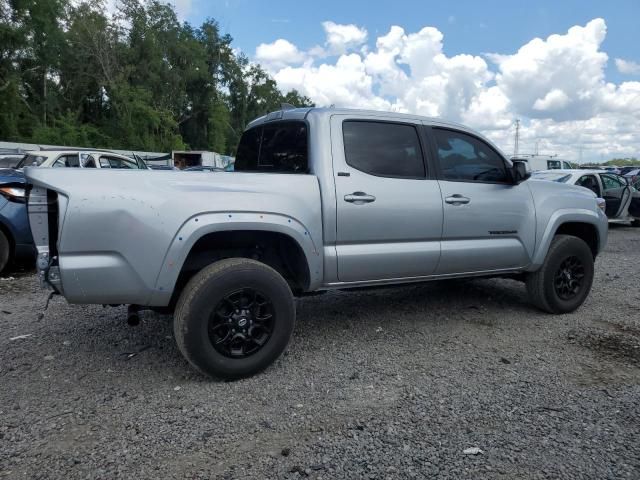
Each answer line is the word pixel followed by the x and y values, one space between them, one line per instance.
pixel 566 166
pixel 610 182
pixel 89 162
pixel 383 149
pixel 278 147
pixel 553 164
pixel 104 162
pixel 115 162
pixel 466 158
pixel 67 161
pixel 590 182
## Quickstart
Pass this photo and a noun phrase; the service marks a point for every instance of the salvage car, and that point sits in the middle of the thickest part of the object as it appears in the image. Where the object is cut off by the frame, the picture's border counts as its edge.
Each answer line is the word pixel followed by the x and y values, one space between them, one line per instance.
pixel 16 243
pixel 80 159
pixel 320 199
pixel 614 189
pixel 633 175
pixel 634 206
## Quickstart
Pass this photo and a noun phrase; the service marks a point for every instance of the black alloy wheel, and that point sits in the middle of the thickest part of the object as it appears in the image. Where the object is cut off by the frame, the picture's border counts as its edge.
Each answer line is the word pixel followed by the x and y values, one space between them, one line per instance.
pixel 568 279
pixel 242 323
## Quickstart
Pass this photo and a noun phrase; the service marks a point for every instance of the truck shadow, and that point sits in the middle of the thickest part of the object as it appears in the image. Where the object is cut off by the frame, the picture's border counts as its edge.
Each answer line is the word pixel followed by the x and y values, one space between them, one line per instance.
pixel 427 301
pixel 105 340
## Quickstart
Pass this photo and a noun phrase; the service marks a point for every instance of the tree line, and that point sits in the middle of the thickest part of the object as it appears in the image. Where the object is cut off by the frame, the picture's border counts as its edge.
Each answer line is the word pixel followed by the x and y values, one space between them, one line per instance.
pixel 71 74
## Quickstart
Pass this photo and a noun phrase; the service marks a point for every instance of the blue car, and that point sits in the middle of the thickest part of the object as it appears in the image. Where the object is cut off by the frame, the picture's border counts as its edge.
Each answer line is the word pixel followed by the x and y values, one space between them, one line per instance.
pixel 16 242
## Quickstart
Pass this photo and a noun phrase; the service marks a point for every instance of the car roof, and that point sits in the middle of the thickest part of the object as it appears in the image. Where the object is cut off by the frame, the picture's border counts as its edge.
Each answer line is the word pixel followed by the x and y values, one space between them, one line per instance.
pixel 305 112
pixel 55 153
pixel 301 113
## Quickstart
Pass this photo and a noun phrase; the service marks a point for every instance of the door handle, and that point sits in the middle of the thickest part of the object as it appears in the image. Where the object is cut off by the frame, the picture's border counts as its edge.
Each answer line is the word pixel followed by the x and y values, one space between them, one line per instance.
pixel 457 199
pixel 359 198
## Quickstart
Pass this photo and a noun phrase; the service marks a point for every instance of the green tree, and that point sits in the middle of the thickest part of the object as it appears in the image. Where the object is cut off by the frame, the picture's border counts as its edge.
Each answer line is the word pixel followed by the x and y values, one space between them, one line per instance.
pixel 72 75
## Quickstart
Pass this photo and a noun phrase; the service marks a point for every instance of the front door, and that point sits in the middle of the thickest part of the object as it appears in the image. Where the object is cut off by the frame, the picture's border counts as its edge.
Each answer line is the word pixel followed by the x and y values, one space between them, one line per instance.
pixel 616 193
pixel 389 212
pixel 489 223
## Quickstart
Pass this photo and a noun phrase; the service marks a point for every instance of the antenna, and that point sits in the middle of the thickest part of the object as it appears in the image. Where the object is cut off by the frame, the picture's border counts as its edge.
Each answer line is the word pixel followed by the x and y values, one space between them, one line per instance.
pixel 517 139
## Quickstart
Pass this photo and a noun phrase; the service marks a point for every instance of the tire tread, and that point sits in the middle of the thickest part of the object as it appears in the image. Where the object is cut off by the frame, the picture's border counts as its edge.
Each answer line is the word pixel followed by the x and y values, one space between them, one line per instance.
pixel 192 289
pixel 535 281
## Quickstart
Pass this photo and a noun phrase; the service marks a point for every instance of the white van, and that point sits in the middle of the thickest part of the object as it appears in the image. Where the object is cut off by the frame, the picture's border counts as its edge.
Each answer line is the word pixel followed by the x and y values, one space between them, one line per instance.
pixel 542 163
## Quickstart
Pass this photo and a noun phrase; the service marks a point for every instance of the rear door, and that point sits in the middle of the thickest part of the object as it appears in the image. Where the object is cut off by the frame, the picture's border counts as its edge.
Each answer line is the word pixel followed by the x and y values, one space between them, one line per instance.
pixel 489 223
pixel 389 210
pixel 617 194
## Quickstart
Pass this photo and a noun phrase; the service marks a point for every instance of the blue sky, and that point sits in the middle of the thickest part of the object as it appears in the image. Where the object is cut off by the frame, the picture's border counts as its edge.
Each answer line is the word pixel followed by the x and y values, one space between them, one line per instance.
pixel 569 70
pixel 473 27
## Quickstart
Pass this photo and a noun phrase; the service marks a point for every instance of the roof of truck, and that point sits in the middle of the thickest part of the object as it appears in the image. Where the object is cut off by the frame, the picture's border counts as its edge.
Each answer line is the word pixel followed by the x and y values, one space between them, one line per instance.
pixel 303 113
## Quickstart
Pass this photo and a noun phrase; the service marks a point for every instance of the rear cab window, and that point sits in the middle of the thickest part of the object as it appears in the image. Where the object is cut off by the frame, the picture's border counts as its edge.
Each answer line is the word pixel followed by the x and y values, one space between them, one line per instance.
pixel 274 147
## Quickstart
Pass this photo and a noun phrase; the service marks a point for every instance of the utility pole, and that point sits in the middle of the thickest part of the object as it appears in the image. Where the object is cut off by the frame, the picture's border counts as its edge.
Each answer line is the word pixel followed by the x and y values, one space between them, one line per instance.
pixel 517 139
pixel 580 148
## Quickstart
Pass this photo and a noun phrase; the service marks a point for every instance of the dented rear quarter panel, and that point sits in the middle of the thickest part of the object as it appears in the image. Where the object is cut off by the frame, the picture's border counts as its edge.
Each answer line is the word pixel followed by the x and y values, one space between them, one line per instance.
pixel 125 234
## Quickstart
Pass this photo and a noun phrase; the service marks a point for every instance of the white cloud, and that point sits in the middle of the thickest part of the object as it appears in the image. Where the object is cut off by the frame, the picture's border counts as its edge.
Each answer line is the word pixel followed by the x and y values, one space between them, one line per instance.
pixel 557 85
pixel 554 100
pixel 341 38
pixel 278 54
pixel 627 66
pixel 558 77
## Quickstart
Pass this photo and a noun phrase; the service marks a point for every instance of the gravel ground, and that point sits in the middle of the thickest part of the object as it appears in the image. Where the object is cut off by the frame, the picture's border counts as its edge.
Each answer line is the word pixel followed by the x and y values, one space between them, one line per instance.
pixel 392 383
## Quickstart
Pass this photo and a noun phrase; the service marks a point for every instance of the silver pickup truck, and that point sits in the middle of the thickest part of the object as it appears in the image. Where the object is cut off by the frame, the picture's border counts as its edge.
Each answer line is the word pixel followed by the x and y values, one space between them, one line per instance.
pixel 321 199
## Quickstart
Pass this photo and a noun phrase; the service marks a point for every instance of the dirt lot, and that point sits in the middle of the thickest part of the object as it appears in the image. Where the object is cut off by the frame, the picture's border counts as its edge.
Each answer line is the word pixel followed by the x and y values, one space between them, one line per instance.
pixel 392 383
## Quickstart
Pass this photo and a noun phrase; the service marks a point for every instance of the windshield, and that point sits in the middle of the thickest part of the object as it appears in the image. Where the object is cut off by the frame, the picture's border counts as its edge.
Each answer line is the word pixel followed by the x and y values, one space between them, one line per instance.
pixel 551 176
pixel 30 160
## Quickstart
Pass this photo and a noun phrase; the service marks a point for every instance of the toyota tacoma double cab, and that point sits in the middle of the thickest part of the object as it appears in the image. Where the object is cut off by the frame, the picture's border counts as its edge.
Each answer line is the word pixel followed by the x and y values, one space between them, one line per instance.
pixel 321 198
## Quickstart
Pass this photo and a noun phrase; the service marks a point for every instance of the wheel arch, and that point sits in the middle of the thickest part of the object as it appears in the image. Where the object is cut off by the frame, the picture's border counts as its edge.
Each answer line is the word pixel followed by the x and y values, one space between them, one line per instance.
pixel 584 224
pixel 11 239
pixel 7 233
pixel 206 238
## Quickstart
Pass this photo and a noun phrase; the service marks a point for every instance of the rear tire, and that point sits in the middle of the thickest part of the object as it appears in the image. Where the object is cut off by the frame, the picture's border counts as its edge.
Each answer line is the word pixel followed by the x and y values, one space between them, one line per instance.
pixel 234 318
pixel 5 250
pixel 564 281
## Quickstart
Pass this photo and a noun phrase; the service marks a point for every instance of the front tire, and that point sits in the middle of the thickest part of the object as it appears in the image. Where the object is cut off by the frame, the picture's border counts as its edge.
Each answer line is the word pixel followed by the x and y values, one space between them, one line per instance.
pixel 5 250
pixel 234 318
pixel 564 281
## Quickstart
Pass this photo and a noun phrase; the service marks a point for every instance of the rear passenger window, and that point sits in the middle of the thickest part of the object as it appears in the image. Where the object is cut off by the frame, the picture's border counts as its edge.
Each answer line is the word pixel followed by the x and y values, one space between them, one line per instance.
pixel 383 149
pixel 279 147
pixel 67 161
pixel 465 158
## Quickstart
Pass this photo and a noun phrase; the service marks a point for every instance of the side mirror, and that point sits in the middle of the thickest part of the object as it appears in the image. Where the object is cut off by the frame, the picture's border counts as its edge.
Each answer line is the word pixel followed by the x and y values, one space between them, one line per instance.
pixel 520 171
